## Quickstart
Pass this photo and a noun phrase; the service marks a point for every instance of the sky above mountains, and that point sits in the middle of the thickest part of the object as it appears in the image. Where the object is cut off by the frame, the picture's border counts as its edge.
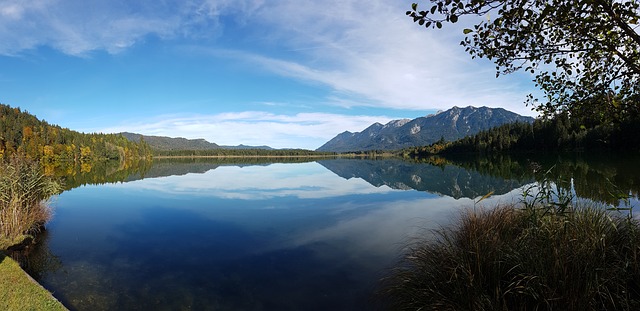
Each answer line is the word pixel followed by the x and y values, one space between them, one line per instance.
pixel 283 73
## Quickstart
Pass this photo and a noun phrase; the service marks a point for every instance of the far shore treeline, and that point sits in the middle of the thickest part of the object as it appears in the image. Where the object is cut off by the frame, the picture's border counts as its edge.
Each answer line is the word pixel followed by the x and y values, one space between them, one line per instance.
pixel 24 135
pixel 221 152
pixel 545 135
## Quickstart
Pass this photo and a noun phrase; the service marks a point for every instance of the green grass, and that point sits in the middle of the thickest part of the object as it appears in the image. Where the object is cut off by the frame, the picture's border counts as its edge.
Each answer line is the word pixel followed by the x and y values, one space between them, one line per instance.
pixel 508 258
pixel 18 292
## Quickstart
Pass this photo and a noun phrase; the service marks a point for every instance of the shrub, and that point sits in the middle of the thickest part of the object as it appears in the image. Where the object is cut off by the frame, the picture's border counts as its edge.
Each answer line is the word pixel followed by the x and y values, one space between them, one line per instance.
pixel 24 191
pixel 508 258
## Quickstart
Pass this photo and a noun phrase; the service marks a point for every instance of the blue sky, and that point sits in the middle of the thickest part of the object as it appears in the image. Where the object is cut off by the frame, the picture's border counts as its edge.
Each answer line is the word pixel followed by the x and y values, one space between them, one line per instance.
pixel 283 73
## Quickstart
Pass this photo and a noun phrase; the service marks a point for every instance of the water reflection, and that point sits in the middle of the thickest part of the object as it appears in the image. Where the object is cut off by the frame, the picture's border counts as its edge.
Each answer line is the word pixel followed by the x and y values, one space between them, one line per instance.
pixel 302 181
pixel 282 236
pixel 445 179
pixel 38 259
pixel 599 177
pixel 603 178
pixel 76 174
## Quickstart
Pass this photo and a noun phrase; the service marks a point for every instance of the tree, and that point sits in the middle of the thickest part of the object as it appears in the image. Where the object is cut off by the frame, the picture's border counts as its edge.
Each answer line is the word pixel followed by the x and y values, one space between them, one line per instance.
pixel 585 54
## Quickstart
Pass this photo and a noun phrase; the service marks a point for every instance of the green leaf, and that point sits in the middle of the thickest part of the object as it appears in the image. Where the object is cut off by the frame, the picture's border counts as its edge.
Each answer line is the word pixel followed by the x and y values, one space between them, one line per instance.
pixel 414 6
pixel 453 18
pixel 439 25
pixel 467 31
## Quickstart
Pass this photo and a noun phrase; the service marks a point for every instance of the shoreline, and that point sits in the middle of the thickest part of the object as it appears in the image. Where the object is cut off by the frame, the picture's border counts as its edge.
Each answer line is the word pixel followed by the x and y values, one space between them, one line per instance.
pixel 19 291
pixel 346 155
pixel 243 156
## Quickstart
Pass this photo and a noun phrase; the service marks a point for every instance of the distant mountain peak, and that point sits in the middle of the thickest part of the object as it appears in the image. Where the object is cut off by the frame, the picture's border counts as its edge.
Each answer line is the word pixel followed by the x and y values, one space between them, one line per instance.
pixel 451 124
pixel 397 123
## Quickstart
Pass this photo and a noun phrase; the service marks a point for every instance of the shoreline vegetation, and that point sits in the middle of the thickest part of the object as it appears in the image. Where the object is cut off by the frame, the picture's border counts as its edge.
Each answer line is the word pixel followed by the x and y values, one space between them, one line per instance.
pixel 24 210
pixel 549 252
pixel 510 258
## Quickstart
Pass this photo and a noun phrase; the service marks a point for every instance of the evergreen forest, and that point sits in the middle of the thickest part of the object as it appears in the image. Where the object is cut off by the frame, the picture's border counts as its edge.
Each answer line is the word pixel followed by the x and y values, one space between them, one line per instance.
pixel 560 133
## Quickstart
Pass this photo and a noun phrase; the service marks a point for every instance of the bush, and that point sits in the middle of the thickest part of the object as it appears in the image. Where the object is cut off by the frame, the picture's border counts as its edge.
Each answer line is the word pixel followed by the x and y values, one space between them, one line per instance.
pixel 24 191
pixel 509 258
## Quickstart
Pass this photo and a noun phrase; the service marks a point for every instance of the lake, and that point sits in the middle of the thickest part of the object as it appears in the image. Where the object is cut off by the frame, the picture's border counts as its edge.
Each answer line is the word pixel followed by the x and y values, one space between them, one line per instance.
pixel 303 235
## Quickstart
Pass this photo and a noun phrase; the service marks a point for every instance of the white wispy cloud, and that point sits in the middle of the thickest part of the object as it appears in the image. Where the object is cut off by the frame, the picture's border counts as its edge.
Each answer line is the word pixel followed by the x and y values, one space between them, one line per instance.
pixel 76 27
pixel 368 52
pixel 302 130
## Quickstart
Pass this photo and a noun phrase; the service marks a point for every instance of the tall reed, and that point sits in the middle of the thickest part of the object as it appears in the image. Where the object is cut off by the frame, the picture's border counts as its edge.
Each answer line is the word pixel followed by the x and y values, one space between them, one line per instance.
pixel 24 191
pixel 511 258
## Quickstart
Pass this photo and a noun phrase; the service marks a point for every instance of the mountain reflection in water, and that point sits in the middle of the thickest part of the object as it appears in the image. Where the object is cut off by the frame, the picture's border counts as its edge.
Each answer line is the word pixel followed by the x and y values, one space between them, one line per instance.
pixel 305 235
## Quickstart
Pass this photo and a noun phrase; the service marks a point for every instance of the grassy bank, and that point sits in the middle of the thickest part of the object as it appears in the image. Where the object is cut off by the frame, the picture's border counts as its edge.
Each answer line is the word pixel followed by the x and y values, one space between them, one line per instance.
pixel 19 292
pixel 532 258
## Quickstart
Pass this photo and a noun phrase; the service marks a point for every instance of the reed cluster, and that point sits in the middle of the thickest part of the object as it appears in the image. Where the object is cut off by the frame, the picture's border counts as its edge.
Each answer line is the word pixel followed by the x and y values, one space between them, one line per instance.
pixel 523 258
pixel 24 194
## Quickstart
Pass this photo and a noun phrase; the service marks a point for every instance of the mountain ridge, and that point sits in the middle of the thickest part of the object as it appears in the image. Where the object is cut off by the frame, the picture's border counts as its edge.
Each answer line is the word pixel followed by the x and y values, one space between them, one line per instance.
pixel 451 124
pixel 165 143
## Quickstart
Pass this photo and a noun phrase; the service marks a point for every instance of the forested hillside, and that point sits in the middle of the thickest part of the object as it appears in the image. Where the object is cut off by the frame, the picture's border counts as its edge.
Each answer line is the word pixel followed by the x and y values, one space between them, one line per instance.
pixel 170 143
pixel 23 134
pixel 561 133
pixel 164 143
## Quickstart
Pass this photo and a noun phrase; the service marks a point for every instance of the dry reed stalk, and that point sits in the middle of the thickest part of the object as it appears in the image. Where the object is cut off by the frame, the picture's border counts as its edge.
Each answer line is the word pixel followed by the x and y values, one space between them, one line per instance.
pixel 24 191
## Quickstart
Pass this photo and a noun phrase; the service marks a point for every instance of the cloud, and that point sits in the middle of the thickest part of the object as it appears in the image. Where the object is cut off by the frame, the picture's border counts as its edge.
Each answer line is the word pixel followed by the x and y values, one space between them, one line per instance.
pixel 378 232
pixel 367 52
pixel 74 27
pixel 78 27
pixel 370 54
pixel 302 130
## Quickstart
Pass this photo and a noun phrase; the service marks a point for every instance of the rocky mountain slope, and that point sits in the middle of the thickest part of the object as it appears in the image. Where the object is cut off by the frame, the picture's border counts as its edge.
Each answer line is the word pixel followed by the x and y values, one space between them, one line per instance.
pixel 452 124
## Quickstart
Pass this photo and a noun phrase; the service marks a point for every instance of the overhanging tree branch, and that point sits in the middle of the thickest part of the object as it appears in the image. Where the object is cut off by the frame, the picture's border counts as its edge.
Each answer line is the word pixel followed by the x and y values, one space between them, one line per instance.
pixel 592 44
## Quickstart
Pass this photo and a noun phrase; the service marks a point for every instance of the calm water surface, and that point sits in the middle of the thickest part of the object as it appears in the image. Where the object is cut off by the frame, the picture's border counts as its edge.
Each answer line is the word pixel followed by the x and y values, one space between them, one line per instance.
pixel 281 236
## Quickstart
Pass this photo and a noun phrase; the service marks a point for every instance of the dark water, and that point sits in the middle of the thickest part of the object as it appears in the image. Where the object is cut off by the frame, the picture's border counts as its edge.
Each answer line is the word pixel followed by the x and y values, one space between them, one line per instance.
pixel 207 235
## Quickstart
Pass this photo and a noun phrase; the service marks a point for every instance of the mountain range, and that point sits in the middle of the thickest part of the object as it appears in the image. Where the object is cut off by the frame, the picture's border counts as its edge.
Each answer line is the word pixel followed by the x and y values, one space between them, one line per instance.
pixel 179 143
pixel 449 125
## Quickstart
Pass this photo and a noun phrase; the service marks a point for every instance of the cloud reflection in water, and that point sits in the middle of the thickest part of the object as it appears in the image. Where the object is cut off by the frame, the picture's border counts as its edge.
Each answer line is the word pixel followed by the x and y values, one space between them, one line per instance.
pixel 306 181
